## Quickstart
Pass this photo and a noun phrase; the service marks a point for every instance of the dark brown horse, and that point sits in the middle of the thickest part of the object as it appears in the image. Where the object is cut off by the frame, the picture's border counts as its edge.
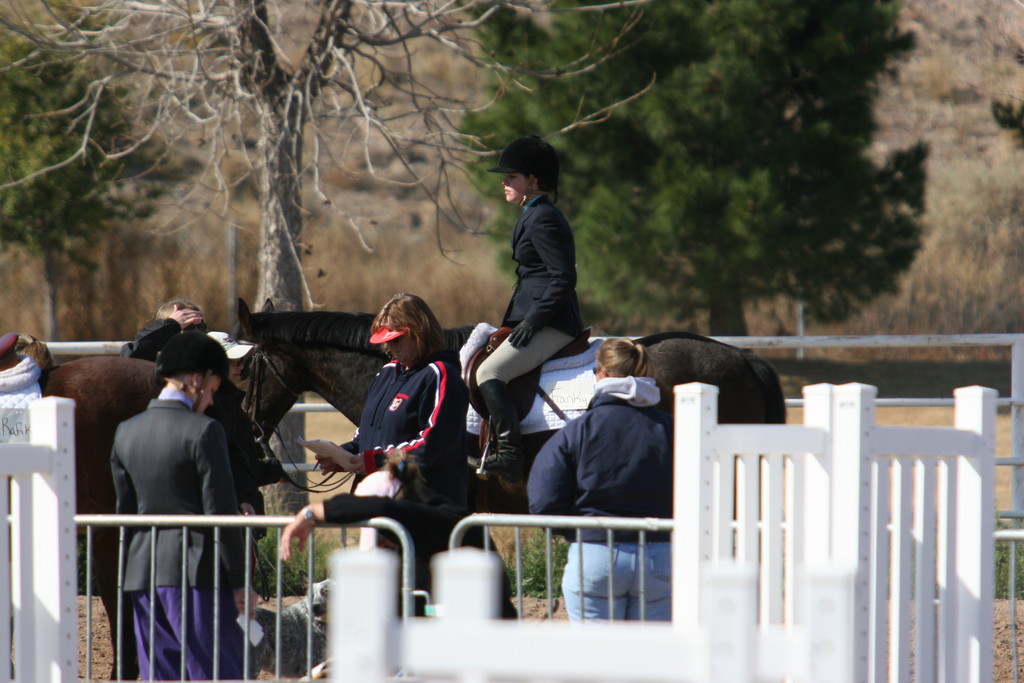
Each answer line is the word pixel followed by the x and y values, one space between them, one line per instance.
pixel 107 390
pixel 329 354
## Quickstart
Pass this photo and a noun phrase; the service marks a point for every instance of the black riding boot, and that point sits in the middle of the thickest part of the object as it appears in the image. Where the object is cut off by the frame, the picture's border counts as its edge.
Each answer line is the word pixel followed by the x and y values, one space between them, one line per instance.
pixel 505 458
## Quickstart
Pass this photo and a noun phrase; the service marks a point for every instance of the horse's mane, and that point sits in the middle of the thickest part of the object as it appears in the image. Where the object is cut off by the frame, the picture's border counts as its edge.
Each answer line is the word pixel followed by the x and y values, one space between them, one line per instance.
pixel 348 330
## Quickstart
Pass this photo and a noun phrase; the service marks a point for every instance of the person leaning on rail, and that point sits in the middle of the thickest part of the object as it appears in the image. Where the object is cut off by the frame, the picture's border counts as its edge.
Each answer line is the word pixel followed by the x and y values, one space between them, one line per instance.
pixel 613 461
pixel 398 491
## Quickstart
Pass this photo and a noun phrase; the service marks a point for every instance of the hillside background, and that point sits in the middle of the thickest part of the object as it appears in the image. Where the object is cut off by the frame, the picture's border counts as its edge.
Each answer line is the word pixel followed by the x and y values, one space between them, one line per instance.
pixel 965 279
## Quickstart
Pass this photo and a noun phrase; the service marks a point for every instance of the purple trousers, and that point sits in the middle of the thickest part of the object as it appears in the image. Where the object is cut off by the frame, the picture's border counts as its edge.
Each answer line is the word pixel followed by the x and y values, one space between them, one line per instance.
pixel 200 638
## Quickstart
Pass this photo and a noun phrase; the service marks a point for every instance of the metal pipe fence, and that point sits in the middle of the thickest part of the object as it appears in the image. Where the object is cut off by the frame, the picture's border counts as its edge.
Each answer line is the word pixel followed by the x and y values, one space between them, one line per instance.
pixel 552 524
pixel 1010 538
pixel 90 523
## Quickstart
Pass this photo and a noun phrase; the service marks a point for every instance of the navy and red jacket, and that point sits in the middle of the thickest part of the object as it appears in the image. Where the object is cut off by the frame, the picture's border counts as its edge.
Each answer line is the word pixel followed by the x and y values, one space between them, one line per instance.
pixel 422 410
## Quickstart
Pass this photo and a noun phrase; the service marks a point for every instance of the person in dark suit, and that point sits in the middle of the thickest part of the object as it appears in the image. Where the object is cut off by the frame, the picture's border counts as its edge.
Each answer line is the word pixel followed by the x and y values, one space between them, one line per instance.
pixel 173 460
pixel 544 311
pixel 250 468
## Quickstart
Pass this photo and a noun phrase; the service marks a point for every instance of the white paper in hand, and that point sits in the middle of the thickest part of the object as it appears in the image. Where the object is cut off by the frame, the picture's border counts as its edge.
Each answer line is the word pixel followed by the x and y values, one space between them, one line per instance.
pixel 255 630
pixel 326 449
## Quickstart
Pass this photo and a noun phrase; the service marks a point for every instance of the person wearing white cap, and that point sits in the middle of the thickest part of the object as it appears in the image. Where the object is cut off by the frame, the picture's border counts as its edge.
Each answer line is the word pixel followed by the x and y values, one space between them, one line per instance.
pixel 236 352
pixel 250 469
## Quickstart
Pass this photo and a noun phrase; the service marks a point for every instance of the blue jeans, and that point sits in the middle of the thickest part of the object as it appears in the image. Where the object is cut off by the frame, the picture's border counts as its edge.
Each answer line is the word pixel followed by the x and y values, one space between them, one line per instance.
pixel 625 585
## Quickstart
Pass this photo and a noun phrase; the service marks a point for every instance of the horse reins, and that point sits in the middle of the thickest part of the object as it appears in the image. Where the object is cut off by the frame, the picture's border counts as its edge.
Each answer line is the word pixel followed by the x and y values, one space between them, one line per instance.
pixel 261 361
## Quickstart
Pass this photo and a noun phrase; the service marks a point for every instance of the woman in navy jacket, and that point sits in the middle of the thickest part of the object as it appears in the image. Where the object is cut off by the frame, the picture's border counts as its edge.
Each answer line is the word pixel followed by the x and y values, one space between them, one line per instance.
pixel 417 402
pixel 613 461
pixel 544 310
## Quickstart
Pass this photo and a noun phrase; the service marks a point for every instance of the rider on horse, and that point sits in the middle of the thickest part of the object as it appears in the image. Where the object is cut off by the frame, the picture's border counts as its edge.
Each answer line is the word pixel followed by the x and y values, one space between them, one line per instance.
pixel 544 311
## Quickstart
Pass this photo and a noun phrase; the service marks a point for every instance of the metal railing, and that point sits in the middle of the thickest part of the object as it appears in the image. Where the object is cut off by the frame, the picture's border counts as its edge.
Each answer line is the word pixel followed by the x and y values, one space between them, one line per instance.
pixel 1011 537
pixel 551 523
pixel 151 522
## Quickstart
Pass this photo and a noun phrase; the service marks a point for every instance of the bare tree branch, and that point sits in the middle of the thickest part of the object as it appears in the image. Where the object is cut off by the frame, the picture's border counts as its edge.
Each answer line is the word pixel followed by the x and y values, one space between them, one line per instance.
pixel 296 88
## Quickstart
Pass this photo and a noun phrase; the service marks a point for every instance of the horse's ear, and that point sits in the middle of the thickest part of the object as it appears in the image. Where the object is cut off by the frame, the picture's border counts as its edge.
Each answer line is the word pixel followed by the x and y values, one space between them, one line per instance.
pixel 268 306
pixel 243 316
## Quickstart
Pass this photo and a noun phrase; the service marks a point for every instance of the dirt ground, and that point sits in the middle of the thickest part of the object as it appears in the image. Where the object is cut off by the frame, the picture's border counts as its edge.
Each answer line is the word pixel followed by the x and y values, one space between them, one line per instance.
pixel 536 609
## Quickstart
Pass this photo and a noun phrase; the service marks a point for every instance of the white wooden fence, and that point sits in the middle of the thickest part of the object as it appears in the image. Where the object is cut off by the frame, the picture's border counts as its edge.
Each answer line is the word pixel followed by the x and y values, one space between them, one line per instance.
pixel 39 565
pixel 801 553
pixel 466 643
pixel 909 509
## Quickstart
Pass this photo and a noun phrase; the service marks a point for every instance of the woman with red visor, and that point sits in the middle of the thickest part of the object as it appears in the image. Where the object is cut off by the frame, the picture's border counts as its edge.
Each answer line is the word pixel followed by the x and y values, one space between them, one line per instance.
pixel 417 402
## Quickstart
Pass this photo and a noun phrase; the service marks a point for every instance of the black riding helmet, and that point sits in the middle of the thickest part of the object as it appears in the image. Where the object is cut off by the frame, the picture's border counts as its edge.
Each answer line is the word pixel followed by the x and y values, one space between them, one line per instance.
pixel 191 351
pixel 530 156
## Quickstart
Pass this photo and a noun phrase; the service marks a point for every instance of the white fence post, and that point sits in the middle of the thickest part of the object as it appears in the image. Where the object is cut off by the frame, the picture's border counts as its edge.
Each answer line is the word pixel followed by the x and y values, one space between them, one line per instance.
pixel 817 476
pixel 467 584
pixel 729 612
pixel 854 411
pixel 829 601
pixel 694 486
pixel 363 608
pixel 43 541
pixel 975 552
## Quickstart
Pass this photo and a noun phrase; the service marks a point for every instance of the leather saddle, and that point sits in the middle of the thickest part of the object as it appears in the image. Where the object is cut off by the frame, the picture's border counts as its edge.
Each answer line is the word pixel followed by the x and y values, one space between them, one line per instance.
pixel 525 387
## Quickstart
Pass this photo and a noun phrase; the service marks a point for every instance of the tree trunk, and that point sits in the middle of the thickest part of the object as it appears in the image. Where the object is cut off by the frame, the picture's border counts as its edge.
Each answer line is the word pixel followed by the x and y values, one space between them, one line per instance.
pixel 281 279
pixel 51 272
pixel 280 148
pixel 726 313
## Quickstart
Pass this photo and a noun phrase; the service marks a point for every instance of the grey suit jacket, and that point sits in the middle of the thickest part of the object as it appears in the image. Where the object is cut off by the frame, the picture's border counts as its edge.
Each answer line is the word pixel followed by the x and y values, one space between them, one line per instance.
pixel 169 460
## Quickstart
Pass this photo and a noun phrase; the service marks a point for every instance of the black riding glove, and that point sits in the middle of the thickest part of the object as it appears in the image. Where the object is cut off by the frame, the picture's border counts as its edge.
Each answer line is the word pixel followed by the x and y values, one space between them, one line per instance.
pixel 521 335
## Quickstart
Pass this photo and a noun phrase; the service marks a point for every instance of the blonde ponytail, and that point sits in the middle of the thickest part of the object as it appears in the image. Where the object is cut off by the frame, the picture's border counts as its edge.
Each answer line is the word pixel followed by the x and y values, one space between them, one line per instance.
pixel 621 357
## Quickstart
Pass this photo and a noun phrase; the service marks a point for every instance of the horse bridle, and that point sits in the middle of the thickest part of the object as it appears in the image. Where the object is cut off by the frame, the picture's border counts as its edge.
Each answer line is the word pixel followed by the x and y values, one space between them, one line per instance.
pixel 260 361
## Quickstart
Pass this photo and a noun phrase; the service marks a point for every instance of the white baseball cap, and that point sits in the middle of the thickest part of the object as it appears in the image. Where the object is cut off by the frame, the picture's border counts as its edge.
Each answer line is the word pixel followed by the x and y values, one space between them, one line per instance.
pixel 232 347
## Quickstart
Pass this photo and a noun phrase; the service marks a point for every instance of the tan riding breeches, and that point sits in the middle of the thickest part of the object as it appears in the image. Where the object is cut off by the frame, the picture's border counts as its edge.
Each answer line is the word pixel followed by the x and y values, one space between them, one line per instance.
pixel 507 362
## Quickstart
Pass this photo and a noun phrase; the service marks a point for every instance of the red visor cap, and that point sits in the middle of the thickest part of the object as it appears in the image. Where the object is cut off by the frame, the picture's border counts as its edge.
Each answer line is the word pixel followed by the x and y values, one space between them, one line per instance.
pixel 386 334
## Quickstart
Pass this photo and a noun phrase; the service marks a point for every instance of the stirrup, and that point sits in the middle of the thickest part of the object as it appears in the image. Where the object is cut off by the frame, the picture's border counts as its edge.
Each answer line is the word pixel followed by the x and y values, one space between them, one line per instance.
pixel 478 463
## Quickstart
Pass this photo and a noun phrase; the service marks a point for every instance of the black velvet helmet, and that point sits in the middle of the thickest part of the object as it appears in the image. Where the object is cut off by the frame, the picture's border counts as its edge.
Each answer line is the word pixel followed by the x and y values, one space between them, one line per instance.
pixel 191 351
pixel 530 156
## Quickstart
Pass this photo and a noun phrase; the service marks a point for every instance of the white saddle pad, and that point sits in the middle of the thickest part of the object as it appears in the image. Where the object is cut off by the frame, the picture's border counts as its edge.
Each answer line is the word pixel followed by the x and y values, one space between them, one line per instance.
pixel 568 381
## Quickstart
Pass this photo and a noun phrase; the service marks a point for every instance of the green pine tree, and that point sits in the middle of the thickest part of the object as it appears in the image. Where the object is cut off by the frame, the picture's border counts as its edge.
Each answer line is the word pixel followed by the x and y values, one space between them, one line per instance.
pixel 55 214
pixel 742 174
